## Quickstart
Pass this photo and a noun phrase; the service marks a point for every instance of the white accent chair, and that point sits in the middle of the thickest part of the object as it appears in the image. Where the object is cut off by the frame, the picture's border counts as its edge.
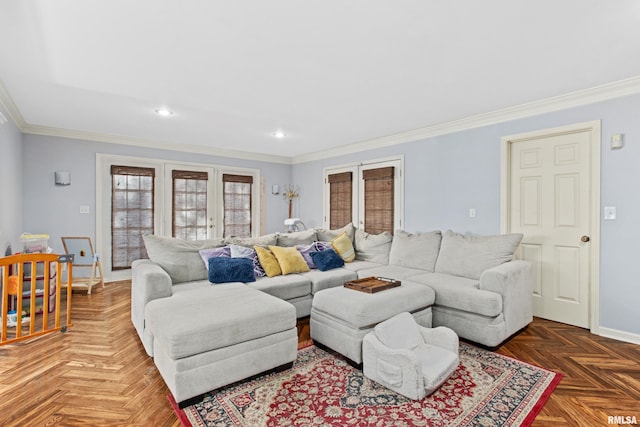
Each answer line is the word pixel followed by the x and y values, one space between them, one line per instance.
pixel 407 358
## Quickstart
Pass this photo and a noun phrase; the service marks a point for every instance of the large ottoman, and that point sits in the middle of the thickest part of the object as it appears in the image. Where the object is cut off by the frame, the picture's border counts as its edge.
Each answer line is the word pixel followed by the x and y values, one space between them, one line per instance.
pixel 341 317
pixel 224 334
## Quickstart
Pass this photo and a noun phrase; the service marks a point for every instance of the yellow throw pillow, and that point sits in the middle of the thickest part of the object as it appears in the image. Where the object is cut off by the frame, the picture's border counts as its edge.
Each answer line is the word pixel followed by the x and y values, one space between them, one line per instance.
pixel 290 259
pixel 268 261
pixel 343 246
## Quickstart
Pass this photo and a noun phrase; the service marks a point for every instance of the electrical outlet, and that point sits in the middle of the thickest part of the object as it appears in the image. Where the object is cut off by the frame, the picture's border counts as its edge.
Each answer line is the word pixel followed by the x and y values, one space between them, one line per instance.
pixel 84 209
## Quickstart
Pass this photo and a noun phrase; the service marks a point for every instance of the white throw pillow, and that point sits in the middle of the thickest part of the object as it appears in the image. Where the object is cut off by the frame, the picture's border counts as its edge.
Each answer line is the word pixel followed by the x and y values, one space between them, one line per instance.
pixel 415 250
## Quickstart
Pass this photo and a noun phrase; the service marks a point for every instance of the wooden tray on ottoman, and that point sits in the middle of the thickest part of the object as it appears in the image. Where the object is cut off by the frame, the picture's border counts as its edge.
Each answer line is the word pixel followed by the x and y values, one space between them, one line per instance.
pixel 372 284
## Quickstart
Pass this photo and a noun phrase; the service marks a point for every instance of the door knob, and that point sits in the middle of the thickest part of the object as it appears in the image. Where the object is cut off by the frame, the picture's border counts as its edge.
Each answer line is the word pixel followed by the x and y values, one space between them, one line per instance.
pixel 585 239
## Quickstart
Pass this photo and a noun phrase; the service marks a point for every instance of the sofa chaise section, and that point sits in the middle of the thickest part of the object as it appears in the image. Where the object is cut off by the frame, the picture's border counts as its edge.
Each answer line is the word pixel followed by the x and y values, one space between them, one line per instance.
pixel 227 334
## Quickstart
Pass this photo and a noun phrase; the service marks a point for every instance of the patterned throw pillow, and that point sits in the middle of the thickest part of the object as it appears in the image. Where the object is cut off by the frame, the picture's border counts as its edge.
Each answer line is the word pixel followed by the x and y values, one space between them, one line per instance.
pixel 343 247
pixel 224 270
pixel 305 251
pixel 327 260
pixel 290 260
pixel 268 262
pixel 244 252
pixel 205 254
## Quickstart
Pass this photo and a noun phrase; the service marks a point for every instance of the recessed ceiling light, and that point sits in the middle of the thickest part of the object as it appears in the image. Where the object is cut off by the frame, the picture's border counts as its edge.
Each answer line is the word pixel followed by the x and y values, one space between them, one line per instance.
pixel 279 134
pixel 163 112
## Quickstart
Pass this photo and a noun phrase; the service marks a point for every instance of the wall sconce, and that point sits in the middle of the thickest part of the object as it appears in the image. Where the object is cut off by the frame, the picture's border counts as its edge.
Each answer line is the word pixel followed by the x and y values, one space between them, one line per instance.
pixel 63 178
pixel 275 189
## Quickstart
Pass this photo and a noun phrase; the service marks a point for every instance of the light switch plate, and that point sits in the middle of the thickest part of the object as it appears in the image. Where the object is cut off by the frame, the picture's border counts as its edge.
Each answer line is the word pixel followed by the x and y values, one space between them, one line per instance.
pixel 472 212
pixel 609 212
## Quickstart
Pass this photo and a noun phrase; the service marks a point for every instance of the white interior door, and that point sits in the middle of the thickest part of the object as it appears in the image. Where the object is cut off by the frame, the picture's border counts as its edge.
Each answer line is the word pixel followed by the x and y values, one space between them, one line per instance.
pixel 554 201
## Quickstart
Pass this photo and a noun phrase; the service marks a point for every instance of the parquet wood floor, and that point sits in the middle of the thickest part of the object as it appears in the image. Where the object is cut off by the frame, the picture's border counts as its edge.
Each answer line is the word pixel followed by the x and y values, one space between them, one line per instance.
pixel 97 373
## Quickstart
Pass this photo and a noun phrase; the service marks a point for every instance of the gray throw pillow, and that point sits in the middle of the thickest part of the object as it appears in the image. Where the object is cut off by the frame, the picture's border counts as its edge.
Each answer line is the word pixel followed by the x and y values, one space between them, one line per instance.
pixel 180 258
pixel 304 237
pixel 266 240
pixel 373 247
pixel 418 250
pixel 468 255
pixel 324 235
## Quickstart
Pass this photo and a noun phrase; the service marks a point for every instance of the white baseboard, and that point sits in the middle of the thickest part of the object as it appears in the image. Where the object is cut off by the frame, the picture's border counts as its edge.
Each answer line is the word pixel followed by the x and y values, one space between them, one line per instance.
pixel 619 335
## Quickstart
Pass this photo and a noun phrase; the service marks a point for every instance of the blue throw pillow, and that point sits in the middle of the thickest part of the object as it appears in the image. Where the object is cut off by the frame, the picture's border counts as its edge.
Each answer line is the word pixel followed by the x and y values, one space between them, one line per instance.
pixel 223 270
pixel 327 260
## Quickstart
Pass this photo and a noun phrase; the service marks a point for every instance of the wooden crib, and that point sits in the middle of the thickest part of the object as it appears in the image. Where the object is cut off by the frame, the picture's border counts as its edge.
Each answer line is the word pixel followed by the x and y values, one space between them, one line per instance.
pixel 35 279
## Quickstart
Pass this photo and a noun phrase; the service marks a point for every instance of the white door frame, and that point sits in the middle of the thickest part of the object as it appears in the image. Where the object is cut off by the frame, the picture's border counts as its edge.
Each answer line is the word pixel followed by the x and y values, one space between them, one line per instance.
pixel 594 128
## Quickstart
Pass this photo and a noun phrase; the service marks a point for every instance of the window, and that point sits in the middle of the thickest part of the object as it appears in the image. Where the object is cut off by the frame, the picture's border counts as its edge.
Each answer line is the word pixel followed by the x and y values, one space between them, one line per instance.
pixel 132 213
pixel 340 199
pixel 237 205
pixel 378 200
pixel 189 207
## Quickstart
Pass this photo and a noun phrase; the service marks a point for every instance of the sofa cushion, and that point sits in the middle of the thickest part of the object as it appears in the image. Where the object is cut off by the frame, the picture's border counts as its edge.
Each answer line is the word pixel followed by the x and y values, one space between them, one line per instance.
pixel 390 271
pixel 358 265
pixel 343 247
pixel 266 240
pixel 373 247
pixel 224 270
pixel 328 279
pixel 205 254
pixel 468 256
pixel 268 261
pixel 327 260
pixel 415 250
pixel 238 251
pixel 323 234
pixel 284 287
pixel 241 314
pixel 297 238
pixel 179 258
pixel 461 293
pixel 290 259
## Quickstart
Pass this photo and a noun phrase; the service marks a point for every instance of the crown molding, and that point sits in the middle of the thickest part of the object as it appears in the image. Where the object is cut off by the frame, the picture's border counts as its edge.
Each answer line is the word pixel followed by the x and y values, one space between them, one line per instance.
pixel 147 143
pixel 11 108
pixel 604 92
pixel 600 93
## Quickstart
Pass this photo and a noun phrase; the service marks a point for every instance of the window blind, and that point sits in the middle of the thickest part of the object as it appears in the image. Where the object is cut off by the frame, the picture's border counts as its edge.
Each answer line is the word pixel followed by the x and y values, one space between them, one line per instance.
pixel 189 207
pixel 378 199
pixel 237 205
pixel 132 213
pixel 340 199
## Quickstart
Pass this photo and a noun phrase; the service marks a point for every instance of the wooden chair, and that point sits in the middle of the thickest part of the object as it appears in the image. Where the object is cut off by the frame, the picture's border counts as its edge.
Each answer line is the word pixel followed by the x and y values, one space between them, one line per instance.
pixel 84 260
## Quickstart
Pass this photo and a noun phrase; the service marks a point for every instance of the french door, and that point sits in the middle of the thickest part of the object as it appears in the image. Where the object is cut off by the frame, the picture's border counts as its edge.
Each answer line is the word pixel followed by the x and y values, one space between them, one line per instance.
pixel 370 195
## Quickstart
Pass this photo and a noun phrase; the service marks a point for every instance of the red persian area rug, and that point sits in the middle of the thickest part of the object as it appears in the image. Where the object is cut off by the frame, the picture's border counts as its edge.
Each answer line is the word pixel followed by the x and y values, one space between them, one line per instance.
pixel 322 389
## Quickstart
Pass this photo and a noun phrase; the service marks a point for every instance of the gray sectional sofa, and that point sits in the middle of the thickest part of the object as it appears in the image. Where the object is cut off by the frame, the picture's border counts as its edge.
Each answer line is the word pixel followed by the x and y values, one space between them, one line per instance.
pixel 480 291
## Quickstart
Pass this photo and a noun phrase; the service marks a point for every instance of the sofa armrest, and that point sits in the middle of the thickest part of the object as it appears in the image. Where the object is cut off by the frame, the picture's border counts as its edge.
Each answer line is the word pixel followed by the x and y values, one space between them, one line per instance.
pixel 149 281
pixel 441 337
pixel 514 281
pixel 503 278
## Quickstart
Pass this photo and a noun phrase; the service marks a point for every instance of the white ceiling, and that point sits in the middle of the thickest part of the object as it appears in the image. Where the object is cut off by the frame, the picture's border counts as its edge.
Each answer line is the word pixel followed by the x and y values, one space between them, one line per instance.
pixel 328 73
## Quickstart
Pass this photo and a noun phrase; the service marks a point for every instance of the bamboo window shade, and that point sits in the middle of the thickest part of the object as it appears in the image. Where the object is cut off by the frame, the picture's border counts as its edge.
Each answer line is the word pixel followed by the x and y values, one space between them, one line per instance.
pixel 189 207
pixel 132 213
pixel 237 205
pixel 378 200
pixel 340 199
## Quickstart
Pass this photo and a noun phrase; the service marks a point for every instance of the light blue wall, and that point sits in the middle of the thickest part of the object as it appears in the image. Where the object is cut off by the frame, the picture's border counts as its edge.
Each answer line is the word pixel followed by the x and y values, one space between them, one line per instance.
pixel 447 175
pixel 55 209
pixel 10 184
